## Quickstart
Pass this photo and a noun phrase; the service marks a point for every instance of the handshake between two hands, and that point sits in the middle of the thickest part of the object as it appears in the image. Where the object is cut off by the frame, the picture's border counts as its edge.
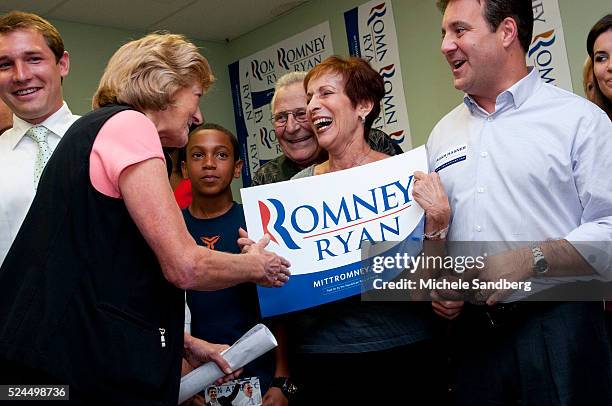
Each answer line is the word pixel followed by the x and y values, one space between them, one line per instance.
pixel 274 268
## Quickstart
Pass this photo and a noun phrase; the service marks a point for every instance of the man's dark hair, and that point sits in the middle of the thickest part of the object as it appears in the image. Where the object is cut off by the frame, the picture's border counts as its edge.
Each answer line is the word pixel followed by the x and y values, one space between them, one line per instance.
pixel 495 11
pixel 211 388
pixel 213 126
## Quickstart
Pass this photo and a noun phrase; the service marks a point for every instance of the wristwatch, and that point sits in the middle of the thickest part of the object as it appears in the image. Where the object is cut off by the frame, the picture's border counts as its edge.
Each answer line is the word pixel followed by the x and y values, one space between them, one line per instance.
pixel 437 235
pixel 285 384
pixel 540 264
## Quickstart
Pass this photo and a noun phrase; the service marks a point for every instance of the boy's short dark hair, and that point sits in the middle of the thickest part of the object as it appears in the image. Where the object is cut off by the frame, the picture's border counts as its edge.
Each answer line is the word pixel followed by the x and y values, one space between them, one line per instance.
pixel 214 126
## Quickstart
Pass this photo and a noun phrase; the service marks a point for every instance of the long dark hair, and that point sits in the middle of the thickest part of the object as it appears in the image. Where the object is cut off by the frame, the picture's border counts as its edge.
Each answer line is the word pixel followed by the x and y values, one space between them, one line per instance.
pixel 601 26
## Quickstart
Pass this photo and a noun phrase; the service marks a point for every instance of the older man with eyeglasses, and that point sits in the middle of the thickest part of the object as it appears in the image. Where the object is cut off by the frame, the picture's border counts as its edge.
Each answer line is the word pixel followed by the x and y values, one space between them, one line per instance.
pixel 295 134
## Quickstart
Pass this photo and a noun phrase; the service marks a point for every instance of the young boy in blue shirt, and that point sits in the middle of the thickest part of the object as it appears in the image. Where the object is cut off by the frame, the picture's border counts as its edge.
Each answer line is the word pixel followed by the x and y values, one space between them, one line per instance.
pixel 213 219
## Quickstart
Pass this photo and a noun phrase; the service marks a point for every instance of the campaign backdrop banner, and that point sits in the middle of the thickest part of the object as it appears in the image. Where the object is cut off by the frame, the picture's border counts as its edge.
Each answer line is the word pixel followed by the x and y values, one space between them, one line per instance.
pixel 370 32
pixel 547 51
pixel 252 81
pixel 319 224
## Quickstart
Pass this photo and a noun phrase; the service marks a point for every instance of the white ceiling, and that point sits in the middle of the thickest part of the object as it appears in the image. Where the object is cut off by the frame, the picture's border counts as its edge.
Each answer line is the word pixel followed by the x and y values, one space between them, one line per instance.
pixel 212 20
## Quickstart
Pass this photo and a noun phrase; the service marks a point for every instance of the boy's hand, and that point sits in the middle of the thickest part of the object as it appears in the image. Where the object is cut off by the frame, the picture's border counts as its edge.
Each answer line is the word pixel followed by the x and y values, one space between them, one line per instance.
pixel 244 242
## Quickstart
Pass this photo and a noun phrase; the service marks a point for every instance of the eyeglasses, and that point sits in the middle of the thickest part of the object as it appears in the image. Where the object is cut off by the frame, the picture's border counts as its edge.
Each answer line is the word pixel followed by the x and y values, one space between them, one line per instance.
pixel 280 119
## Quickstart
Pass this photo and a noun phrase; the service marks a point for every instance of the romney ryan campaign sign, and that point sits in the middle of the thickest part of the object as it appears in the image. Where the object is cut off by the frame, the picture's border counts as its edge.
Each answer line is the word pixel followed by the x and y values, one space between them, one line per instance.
pixel 320 224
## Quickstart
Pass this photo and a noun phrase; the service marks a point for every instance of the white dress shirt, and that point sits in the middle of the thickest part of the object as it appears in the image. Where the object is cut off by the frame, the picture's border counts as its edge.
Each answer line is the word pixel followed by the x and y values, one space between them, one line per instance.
pixel 17 159
pixel 539 167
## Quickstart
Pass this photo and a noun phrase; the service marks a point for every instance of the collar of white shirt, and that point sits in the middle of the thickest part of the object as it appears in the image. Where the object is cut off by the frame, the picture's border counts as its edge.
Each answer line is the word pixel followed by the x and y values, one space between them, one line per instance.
pixel 514 96
pixel 57 123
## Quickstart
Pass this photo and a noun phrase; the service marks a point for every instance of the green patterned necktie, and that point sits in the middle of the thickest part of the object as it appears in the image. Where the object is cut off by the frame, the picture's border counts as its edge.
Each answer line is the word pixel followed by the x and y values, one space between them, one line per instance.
pixel 39 134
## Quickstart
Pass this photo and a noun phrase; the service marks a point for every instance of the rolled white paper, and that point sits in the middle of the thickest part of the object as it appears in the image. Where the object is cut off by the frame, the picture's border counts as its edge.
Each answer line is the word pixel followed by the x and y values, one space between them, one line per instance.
pixel 254 343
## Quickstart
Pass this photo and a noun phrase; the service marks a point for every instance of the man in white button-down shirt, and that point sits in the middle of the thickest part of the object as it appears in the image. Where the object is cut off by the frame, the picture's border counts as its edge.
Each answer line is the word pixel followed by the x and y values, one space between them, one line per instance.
pixel 33 63
pixel 522 160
